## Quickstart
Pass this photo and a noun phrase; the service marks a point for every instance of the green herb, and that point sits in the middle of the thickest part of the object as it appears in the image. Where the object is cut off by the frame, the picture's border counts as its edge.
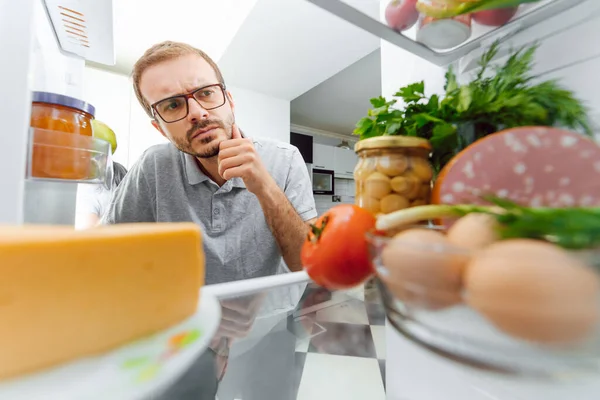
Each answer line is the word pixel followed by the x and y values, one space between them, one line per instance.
pixel 498 98
pixel 570 228
pixel 454 8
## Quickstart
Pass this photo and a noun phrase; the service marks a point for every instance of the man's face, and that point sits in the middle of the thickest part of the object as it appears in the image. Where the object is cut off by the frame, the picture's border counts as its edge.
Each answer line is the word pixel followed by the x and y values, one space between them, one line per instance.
pixel 201 131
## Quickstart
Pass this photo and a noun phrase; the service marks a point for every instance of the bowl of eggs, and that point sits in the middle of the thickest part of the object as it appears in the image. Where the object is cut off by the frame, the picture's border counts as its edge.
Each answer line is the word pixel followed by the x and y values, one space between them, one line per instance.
pixel 516 306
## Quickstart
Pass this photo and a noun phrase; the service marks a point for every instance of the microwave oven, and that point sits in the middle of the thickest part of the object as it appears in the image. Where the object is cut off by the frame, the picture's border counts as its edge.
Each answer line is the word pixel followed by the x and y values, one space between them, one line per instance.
pixel 323 181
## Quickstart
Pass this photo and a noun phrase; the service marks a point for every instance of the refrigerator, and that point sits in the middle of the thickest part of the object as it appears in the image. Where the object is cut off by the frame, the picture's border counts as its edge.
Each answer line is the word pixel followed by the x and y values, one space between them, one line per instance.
pixel 44 56
pixel 566 32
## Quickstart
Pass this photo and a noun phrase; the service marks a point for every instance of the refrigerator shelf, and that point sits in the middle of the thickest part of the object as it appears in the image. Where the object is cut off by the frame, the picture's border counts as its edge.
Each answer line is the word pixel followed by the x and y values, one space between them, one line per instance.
pixel 528 16
pixel 65 157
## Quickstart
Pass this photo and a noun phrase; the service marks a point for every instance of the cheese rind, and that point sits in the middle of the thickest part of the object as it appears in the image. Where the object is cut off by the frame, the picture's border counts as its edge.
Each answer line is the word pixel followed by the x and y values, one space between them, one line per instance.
pixel 67 294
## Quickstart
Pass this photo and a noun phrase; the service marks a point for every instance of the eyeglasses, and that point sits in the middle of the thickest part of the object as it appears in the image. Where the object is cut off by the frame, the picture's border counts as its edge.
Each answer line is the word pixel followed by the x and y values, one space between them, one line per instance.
pixel 176 108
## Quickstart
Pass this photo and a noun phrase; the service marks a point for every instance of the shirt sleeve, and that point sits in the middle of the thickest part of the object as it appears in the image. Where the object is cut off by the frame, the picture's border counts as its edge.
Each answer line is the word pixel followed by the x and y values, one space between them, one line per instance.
pixel 88 201
pixel 298 188
pixel 133 200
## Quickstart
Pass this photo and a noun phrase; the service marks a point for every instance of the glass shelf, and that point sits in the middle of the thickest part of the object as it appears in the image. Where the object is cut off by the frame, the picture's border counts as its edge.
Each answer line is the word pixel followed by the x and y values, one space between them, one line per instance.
pixel 70 158
pixel 356 13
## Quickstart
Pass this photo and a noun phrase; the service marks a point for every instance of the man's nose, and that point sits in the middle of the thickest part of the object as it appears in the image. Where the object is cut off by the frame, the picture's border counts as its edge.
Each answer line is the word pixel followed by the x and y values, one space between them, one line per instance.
pixel 196 111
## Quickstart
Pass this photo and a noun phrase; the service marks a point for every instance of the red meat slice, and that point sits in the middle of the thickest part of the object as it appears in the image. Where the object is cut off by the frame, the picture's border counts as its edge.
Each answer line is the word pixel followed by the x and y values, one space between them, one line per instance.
pixel 533 166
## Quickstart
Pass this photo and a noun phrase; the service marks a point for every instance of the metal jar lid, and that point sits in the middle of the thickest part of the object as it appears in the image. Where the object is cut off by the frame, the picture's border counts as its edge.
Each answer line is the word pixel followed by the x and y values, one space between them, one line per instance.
pixel 386 142
pixel 62 100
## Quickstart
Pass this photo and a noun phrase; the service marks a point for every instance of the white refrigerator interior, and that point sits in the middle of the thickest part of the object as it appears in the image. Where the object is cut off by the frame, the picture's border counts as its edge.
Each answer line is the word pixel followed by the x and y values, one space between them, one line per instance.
pixel 568 50
pixel 49 41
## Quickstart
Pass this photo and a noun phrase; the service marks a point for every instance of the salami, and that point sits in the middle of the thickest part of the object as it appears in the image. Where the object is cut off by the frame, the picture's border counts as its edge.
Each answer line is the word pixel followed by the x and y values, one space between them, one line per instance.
pixel 532 166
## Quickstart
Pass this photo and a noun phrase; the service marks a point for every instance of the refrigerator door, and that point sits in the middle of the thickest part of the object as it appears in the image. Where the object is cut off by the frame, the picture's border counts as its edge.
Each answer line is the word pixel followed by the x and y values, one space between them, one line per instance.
pixel 50 203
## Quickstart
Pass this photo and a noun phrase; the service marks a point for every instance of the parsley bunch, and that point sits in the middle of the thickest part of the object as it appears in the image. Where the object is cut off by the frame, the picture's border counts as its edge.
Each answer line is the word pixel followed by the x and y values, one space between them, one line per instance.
pixel 510 97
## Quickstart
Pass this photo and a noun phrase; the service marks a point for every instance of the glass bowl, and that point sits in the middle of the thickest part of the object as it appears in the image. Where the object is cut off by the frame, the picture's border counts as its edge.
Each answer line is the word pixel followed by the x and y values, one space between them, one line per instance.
pixel 426 302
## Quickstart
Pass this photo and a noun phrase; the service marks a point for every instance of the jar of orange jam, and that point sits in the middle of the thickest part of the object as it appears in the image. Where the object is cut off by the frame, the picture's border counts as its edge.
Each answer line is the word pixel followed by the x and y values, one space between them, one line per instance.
pixel 62 137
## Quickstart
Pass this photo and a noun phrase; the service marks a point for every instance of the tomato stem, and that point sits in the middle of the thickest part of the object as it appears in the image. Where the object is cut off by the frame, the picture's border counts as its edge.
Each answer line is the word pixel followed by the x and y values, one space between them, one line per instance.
pixel 317 231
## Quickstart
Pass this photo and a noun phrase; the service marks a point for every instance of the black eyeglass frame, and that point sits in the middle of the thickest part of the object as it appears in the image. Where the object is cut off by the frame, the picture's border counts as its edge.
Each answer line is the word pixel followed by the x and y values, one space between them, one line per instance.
pixel 187 97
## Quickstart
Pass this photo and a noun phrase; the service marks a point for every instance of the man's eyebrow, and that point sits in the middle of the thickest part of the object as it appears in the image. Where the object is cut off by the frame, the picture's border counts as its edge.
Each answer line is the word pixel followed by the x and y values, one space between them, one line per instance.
pixel 166 94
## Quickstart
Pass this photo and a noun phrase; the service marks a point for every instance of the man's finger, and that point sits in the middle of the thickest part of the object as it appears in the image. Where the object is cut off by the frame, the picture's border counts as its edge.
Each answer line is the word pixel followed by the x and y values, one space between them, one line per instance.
pixel 235 132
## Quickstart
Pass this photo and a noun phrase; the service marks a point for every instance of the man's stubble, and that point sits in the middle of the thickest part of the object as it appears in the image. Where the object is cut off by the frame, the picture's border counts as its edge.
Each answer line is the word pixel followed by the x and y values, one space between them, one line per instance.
pixel 210 151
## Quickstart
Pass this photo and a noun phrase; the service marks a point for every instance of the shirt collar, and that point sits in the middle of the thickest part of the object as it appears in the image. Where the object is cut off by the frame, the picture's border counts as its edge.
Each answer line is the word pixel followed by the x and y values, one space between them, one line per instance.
pixel 195 175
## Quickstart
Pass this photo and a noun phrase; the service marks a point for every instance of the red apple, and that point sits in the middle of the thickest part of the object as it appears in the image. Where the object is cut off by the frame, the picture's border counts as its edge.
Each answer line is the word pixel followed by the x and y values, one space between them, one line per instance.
pixel 401 14
pixel 497 17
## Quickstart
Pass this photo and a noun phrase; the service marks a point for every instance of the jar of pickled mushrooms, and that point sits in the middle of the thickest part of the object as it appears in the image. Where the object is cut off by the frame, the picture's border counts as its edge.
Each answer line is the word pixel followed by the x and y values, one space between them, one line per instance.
pixel 393 173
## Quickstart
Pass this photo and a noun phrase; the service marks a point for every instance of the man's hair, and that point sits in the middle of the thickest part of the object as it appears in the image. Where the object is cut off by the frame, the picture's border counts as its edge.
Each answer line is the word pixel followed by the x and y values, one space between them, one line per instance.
pixel 162 52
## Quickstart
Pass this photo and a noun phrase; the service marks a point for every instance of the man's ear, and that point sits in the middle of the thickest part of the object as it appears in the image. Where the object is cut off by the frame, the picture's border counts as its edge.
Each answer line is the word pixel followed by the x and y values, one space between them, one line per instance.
pixel 231 102
pixel 158 128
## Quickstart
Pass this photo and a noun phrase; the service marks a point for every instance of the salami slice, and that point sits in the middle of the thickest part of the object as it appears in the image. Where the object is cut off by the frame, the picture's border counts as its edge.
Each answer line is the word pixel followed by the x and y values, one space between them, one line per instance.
pixel 532 166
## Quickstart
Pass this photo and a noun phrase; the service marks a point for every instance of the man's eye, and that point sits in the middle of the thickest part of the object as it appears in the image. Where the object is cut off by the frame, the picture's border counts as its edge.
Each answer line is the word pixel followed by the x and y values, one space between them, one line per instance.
pixel 171 105
pixel 206 93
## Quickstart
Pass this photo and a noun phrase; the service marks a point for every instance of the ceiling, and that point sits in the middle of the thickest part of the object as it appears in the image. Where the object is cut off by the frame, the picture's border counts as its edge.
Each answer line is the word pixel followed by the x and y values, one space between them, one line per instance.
pixel 286 47
pixel 206 24
pixel 338 103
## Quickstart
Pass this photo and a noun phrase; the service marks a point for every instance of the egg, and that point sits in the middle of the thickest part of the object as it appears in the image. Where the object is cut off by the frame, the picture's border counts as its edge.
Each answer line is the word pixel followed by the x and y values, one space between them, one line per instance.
pixel 392 165
pixel 422 270
pixel 393 202
pixel 473 231
pixel 421 168
pixel 534 291
pixel 368 203
pixel 377 185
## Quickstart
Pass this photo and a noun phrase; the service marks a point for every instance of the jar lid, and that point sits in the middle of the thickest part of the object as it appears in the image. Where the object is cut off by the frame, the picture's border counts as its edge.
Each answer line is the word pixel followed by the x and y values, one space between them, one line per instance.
pixel 62 100
pixel 381 142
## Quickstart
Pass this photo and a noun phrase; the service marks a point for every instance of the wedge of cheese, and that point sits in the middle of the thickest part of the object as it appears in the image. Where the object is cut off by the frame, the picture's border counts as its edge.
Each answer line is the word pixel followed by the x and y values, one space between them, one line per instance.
pixel 67 294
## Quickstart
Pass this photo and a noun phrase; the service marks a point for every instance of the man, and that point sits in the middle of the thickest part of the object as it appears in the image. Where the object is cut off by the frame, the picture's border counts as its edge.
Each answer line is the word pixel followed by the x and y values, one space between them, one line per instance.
pixel 93 200
pixel 252 198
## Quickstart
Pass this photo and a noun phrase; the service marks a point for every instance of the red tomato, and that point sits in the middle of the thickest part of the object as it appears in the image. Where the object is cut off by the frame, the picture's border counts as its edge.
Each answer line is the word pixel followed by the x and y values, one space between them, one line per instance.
pixel 496 17
pixel 336 255
pixel 401 14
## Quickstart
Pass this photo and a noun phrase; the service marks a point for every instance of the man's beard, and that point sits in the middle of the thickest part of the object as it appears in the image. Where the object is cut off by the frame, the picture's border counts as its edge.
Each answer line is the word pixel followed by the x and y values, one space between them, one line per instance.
pixel 185 145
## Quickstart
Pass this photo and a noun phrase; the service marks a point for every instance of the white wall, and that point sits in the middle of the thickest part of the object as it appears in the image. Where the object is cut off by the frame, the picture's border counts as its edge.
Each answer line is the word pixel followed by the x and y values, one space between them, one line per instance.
pixel 142 133
pixel 259 115
pixel 112 95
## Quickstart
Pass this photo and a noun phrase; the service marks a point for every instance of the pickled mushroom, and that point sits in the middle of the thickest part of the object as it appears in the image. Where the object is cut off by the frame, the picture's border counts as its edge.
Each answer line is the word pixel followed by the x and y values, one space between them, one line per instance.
pixel 377 185
pixel 368 203
pixel 363 169
pixel 393 202
pixel 392 165
pixel 405 184
pixel 421 168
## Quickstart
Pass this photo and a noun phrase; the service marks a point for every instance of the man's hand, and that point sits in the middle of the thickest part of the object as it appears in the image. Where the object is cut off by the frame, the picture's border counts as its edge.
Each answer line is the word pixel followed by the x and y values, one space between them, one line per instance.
pixel 238 159
pixel 237 316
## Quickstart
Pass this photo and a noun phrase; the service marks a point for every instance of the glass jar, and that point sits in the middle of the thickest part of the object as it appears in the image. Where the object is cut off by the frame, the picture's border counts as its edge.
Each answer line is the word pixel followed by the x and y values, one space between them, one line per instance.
pixel 393 173
pixel 61 147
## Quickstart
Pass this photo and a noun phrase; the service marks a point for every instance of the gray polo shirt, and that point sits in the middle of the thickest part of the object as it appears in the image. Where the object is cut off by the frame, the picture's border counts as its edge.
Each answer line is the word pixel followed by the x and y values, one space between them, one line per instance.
pixel 166 185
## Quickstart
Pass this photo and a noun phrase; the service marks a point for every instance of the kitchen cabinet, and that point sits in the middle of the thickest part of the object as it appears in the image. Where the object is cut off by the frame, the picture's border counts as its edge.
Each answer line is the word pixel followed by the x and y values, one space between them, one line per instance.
pixel 344 162
pixel 323 157
pixel 304 143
